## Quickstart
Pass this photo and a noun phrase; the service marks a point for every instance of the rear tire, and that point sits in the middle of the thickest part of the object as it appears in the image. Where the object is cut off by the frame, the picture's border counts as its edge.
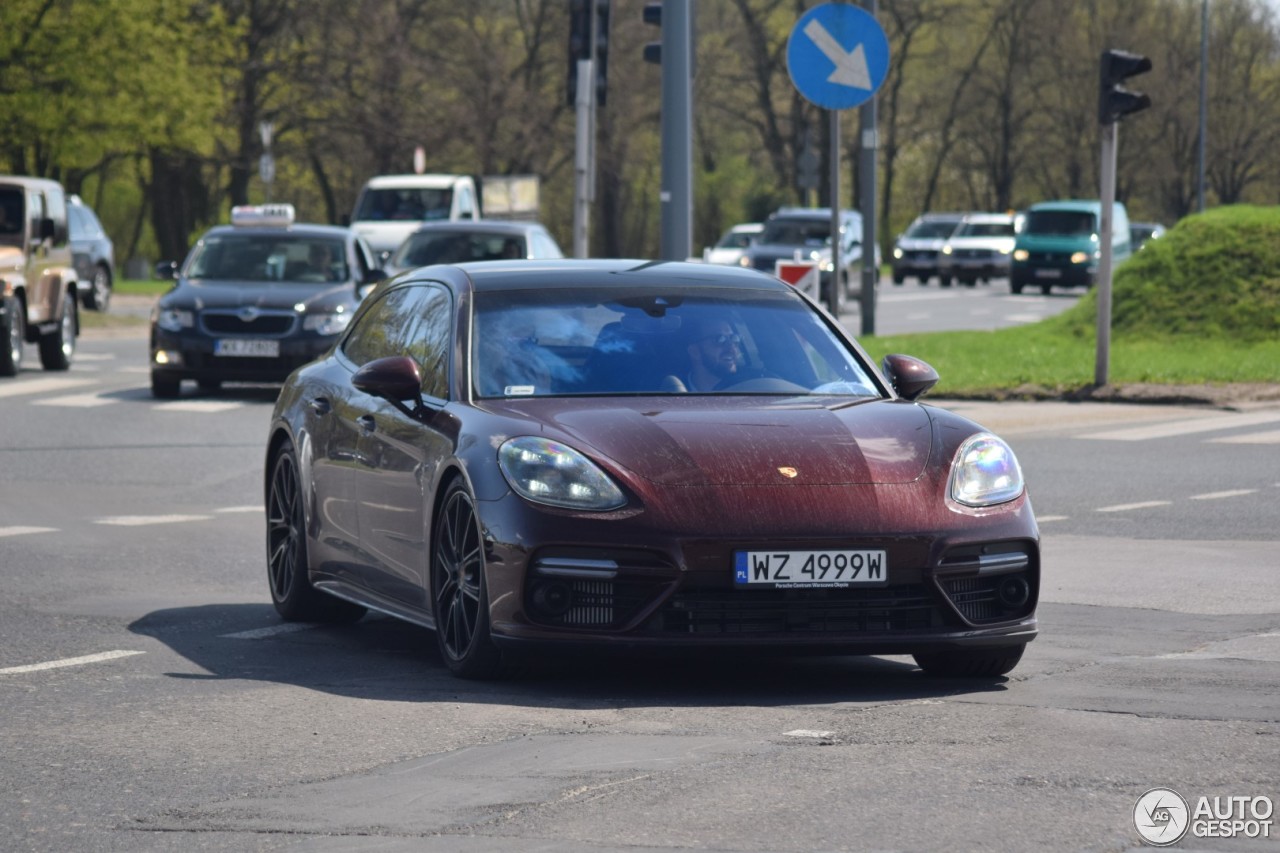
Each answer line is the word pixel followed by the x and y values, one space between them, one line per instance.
pixel 971 663
pixel 98 297
pixel 58 347
pixel 288 569
pixel 944 281
pixel 13 331
pixel 459 591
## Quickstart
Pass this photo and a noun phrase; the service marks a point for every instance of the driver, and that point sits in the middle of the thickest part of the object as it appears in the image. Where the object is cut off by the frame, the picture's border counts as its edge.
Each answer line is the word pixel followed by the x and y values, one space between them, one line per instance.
pixel 715 355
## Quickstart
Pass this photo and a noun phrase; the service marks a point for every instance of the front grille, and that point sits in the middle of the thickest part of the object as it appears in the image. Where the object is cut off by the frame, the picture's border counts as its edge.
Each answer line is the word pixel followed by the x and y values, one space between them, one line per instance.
pixel 594 588
pixel 975 598
pixel 890 609
pixel 268 323
pixel 999 581
pixel 973 254
pixel 1047 257
pixel 922 255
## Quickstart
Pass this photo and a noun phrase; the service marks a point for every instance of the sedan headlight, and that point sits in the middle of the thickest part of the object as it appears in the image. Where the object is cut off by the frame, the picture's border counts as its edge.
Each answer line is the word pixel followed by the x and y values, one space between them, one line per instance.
pixel 327 324
pixel 946 250
pixel 174 319
pixel 1021 254
pixel 985 472
pixel 1079 257
pixel 548 472
pixel 744 261
pixel 897 253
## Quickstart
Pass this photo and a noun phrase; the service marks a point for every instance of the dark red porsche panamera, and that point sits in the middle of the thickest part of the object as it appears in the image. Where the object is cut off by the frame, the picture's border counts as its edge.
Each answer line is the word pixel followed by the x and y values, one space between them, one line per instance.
pixel 524 455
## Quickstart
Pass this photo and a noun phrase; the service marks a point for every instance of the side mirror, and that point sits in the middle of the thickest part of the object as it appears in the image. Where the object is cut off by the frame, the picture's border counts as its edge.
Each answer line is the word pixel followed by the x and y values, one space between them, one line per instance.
pixel 48 230
pixel 345 219
pixel 167 270
pixel 909 376
pixel 374 276
pixel 396 378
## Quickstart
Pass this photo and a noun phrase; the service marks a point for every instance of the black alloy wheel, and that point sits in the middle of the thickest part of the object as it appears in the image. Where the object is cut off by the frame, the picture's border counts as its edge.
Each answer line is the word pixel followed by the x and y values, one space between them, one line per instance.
pixel 460 598
pixel 295 599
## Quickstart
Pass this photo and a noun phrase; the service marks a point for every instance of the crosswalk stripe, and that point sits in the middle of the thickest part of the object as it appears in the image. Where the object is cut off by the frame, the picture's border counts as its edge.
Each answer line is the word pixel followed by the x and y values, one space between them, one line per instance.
pixel 23 531
pixel 205 406
pixel 143 520
pixel 59 664
pixel 1230 493
pixel 76 401
pixel 1269 437
pixel 39 386
pixel 1185 427
pixel 1138 505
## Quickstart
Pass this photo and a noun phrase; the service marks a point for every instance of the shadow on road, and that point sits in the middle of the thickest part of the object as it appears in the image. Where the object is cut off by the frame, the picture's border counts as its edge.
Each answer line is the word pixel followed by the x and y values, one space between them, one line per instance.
pixel 385 659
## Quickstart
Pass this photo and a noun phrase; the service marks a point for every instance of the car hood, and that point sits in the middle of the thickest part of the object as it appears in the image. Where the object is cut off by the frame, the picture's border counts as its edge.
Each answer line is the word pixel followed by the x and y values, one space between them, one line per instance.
pixel 202 295
pixel 999 244
pixel 738 441
pixel 385 236
pixel 917 243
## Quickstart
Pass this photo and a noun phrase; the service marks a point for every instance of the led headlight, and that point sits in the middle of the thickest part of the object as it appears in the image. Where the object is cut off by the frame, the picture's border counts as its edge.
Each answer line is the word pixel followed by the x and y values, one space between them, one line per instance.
pixel 985 472
pixel 897 253
pixel 327 324
pixel 744 261
pixel 548 472
pixel 1021 254
pixel 946 250
pixel 1079 257
pixel 174 320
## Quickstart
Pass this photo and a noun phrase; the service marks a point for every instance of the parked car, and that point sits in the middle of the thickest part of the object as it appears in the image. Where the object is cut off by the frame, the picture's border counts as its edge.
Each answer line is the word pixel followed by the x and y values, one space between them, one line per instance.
pixel 979 249
pixel 93 254
pixel 256 299
pixel 733 244
pixel 1058 244
pixel 916 251
pixel 391 207
pixel 519 456
pixel 804 234
pixel 1141 232
pixel 481 240
pixel 38 285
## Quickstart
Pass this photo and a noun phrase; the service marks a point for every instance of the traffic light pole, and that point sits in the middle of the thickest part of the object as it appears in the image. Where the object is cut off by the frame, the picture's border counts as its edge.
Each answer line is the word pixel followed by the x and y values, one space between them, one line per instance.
pixel 1110 134
pixel 676 236
pixel 584 157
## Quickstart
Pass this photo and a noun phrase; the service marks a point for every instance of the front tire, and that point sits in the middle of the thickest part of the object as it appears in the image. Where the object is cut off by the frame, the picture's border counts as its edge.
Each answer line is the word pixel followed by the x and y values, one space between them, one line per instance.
pixel 13 331
pixel 971 663
pixel 58 347
pixel 288 570
pixel 459 593
pixel 98 298
pixel 165 389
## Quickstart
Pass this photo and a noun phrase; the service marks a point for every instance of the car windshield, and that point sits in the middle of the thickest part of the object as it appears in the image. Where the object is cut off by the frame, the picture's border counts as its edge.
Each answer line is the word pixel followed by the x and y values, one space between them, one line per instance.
pixel 1060 222
pixel 797 232
pixel 736 240
pixel 269 257
pixel 457 246
pixel 10 215
pixel 985 229
pixel 930 230
pixel 562 342
pixel 405 203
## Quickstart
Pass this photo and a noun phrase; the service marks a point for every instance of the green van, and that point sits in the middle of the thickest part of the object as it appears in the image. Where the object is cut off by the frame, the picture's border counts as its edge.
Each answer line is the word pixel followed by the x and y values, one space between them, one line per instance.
pixel 1058 244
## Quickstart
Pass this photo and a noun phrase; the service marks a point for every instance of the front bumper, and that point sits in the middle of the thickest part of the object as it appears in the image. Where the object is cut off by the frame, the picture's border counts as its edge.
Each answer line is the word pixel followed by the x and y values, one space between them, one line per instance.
pixel 190 355
pixel 1049 274
pixel 996 266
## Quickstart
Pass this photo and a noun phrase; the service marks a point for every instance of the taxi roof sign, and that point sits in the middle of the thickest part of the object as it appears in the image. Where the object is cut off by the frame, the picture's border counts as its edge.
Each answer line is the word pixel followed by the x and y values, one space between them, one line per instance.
pixel 263 215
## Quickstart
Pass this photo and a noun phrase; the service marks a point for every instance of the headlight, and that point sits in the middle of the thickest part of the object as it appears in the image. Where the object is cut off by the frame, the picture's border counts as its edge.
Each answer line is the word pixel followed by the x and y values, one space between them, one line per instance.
pixel 327 324
pixel 1021 254
pixel 946 250
pixel 1080 257
pixel 897 253
pixel 744 261
pixel 548 472
pixel 1004 251
pixel 985 472
pixel 174 320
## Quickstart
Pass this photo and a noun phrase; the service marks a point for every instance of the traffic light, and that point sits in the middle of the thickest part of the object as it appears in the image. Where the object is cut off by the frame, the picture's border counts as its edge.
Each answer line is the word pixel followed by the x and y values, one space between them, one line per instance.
pixel 582 45
pixel 653 50
pixel 1115 101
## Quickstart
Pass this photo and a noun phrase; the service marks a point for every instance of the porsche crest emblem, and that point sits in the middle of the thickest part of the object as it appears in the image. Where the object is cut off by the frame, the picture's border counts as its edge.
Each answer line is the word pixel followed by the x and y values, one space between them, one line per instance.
pixel 788 472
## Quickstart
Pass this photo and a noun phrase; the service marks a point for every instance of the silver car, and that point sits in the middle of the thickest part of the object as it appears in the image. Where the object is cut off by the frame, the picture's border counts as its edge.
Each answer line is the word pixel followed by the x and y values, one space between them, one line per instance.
pixel 979 249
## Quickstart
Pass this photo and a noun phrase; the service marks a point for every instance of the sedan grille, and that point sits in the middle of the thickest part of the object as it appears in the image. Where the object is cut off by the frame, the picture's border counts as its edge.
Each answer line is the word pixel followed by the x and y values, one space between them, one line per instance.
pixel 891 609
pixel 256 323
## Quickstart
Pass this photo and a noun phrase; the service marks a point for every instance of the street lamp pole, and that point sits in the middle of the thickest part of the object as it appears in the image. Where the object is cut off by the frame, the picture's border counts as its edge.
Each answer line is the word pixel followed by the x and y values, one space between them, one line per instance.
pixel 1204 102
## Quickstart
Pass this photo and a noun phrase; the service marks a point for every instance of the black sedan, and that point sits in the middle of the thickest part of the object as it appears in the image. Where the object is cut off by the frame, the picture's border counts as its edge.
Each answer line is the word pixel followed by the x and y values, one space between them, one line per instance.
pixel 256 299
pixel 527 456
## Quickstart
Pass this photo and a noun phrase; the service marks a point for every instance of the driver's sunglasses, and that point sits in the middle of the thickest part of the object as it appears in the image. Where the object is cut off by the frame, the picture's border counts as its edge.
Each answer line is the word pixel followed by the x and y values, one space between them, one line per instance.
pixel 722 339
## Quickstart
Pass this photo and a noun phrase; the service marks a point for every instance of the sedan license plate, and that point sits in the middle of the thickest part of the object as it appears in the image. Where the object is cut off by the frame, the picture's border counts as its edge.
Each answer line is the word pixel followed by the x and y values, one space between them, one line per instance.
pixel 247 347
pixel 809 569
pixel 1048 272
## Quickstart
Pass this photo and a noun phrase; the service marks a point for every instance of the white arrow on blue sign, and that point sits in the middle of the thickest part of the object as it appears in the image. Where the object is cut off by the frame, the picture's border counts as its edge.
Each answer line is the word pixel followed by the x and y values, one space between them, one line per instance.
pixel 837 55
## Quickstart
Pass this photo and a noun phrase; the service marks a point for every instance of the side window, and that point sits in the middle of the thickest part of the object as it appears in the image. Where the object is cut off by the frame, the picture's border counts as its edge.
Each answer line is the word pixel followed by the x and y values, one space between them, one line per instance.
pixel 35 213
pixel 466 207
pixel 379 331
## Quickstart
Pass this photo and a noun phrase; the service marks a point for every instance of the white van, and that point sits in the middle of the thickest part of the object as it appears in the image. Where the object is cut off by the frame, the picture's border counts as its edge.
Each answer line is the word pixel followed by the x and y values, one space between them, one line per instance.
pixel 391 207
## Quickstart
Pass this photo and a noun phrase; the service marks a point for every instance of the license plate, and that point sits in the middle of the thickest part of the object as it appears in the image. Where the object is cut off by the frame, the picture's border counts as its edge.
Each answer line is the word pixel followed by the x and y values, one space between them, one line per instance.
pixel 808 569
pixel 250 347
pixel 1048 273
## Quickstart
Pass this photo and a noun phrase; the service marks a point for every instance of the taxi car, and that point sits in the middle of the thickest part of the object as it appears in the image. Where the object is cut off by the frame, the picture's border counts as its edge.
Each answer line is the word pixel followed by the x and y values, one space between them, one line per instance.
pixel 256 299
pixel 640 455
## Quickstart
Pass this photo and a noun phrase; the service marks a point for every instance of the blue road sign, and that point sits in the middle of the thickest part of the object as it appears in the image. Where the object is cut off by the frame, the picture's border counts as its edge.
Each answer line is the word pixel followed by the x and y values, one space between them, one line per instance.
pixel 837 55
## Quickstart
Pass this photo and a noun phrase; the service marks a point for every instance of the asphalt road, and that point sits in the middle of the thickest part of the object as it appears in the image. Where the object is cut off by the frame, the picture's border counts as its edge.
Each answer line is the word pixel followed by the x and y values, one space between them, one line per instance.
pixel 153 701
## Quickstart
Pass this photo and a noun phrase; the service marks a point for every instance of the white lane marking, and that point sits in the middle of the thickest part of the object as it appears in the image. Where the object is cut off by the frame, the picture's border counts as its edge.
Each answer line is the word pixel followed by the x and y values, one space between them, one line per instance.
pixel 1025 318
pixel 1230 493
pixel 58 664
pixel 134 370
pixel 206 406
pixel 78 401
pixel 1043 518
pixel 1185 427
pixel 918 316
pixel 1271 437
pixel 143 520
pixel 1251 647
pixel 274 630
pixel 809 733
pixel 40 386
pixel 227 509
pixel 1139 505
pixel 22 531
pixel 94 356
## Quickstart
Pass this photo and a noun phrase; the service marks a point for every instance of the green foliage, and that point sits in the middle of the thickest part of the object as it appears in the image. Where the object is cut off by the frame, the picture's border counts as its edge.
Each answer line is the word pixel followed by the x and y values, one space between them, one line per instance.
pixel 1214 276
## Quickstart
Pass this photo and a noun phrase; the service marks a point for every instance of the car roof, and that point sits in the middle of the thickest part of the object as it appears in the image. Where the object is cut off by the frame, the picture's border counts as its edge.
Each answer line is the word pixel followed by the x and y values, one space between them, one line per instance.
pixel 945 216
pixel 747 228
pixel 600 274
pixel 301 229
pixel 434 181
pixel 472 226
pixel 988 217
pixel 1078 204
pixel 810 213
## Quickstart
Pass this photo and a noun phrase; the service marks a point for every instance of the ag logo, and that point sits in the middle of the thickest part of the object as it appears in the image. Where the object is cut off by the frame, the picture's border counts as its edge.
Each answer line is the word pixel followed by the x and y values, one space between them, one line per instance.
pixel 1161 817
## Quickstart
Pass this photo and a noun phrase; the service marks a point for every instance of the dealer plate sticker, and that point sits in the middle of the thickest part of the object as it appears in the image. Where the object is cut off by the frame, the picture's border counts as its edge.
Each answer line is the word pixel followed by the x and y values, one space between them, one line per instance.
pixel 250 347
pixel 810 569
